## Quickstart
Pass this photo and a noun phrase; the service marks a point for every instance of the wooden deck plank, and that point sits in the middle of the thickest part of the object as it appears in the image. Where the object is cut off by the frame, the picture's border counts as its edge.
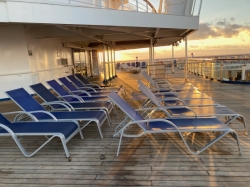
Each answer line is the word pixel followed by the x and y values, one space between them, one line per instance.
pixel 153 160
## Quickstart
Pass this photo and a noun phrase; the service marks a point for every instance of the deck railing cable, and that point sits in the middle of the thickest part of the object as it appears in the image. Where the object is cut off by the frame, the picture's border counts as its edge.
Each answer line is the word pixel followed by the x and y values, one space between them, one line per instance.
pixel 131 5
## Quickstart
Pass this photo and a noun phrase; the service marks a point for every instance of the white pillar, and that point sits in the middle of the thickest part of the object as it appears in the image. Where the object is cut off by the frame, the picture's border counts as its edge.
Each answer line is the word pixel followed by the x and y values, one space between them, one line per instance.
pixel 153 55
pixel 104 64
pixel 115 62
pixel 172 58
pixel 108 60
pixel 186 59
pixel 243 73
pixel 150 56
pixel 151 51
pixel 221 70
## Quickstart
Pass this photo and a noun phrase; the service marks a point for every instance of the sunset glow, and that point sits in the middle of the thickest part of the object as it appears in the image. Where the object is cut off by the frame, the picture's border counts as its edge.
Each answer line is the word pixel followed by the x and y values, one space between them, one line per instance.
pixel 225 30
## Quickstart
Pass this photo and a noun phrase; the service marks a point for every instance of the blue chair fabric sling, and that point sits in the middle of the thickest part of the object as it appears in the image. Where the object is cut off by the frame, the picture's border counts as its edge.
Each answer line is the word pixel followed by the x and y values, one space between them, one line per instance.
pixel 83 91
pixel 73 97
pixel 55 104
pixel 63 130
pixel 28 104
pixel 143 64
pixel 97 87
pixel 80 86
pixel 182 111
pixel 179 125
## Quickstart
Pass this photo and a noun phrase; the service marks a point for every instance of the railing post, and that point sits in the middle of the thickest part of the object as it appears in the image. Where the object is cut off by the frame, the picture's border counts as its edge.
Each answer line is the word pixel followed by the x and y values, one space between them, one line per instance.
pixel 243 73
pixel 100 3
pixel 221 70
pixel 146 6
pixel 122 1
pixel 192 12
pixel 137 5
pixel 201 68
pixel 172 58
pixel 200 8
pixel 104 64
pixel 186 59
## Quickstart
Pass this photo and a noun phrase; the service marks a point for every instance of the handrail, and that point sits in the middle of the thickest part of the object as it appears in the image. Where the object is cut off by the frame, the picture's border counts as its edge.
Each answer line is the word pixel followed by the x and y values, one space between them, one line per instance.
pixel 32 72
pixel 133 5
pixel 153 8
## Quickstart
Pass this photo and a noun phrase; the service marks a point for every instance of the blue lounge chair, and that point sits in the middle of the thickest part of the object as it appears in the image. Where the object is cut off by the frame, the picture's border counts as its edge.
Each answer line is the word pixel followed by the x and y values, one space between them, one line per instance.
pixel 133 64
pixel 87 83
pixel 83 91
pixel 179 125
pixel 164 85
pixel 143 64
pixel 63 130
pixel 76 97
pixel 56 104
pixel 79 86
pixel 177 101
pixel 182 111
pixel 128 63
pixel 28 104
pixel 118 65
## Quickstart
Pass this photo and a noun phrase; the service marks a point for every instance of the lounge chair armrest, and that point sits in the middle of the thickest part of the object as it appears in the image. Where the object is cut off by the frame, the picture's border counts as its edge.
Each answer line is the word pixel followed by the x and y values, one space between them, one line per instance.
pixel 143 109
pixel 180 107
pixel 172 99
pixel 87 87
pixel 169 99
pixel 65 104
pixel 147 121
pixel 7 129
pixel 164 107
pixel 22 112
pixel 45 112
pixel 74 96
pixel 81 91
pixel 157 88
pixel 167 93
pixel 93 85
pixel 162 82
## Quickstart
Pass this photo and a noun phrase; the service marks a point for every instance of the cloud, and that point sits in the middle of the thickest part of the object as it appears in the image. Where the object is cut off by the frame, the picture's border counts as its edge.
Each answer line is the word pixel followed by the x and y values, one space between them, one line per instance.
pixel 222 28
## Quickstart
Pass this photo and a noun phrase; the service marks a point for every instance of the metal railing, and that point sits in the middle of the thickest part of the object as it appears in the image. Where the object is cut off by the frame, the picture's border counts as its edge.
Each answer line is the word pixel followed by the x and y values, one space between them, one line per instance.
pixel 129 5
pixel 219 69
pixel 35 72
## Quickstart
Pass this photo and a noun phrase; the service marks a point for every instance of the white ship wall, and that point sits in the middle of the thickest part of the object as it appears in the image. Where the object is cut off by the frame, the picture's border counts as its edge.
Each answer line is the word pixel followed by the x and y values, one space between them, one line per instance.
pixel 18 69
pixel 20 12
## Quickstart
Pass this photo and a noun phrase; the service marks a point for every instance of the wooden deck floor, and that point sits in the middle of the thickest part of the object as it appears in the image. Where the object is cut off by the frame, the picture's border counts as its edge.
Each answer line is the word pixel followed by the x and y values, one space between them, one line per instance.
pixel 155 160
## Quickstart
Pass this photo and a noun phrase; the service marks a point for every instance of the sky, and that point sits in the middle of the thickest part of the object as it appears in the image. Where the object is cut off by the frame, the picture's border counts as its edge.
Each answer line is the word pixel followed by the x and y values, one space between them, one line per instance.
pixel 224 29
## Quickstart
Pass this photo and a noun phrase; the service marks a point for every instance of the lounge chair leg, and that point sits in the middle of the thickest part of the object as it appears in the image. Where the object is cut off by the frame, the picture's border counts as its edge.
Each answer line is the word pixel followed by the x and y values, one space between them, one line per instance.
pixel 236 137
pixel 243 120
pixel 108 118
pixel 240 119
pixel 120 124
pixel 119 145
pixel 65 147
pixel 99 128
pixel 114 109
pixel 69 159
pixel 30 155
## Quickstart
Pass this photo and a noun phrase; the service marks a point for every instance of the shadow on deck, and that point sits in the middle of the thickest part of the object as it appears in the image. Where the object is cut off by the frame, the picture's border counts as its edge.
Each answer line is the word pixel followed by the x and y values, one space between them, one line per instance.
pixel 154 160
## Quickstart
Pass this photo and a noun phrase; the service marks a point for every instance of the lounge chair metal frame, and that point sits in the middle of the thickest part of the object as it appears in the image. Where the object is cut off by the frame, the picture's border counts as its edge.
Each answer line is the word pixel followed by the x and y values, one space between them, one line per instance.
pixel 54 118
pixel 51 135
pixel 143 124
pixel 163 85
pixel 230 116
pixel 77 97
pixel 93 85
pixel 68 105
